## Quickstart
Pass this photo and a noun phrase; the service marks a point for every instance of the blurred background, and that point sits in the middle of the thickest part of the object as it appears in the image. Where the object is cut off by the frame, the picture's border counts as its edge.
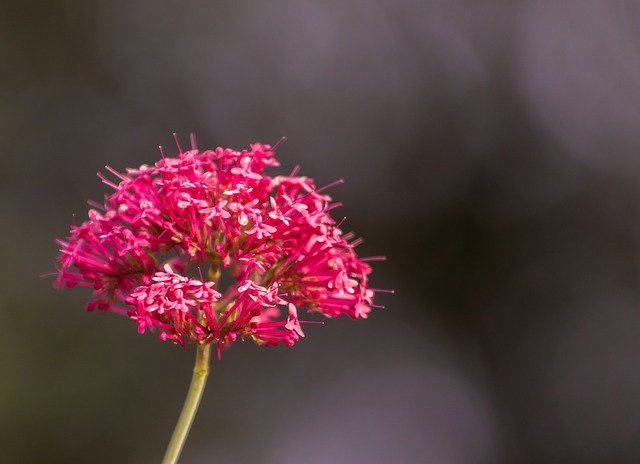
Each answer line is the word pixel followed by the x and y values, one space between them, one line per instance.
pixel 491 150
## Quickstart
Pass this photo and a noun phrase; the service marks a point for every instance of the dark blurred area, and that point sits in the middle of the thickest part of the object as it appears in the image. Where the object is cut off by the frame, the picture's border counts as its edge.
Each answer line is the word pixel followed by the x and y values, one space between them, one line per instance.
pixel 491 150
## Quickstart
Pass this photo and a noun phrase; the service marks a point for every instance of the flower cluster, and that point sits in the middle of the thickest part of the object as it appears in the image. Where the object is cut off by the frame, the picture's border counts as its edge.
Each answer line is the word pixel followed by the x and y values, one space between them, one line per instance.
pixel 271 240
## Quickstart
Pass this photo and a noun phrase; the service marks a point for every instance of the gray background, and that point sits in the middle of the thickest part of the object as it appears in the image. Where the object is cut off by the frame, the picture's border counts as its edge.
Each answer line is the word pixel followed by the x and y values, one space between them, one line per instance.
pixel 490 149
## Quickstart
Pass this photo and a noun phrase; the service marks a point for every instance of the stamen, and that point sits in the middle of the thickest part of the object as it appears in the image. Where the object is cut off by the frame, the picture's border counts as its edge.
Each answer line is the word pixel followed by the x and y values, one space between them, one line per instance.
pixel 161 151
pixel 333 206
pixel 357 242
pixel 107 181
pixel 278 143
pixel 116 173
pixel 373 258
pixel 332 184
pixel 194 143
pixel 96 205
pixel 175 138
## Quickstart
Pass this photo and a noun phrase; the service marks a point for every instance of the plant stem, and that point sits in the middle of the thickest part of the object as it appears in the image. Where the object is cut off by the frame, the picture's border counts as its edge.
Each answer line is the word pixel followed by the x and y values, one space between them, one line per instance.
pixel 198 381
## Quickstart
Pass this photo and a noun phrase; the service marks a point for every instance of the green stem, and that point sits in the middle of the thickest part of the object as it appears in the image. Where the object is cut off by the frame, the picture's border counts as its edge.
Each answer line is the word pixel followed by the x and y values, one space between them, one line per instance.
pixel 198 381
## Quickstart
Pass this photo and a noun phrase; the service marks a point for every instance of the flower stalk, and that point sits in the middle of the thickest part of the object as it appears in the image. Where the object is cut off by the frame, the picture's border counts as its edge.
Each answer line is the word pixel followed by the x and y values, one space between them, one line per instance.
pixel 191 403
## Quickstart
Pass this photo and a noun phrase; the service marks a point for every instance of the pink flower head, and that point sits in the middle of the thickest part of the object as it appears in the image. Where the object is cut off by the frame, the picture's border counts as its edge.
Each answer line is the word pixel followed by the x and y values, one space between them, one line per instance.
pixel 216 212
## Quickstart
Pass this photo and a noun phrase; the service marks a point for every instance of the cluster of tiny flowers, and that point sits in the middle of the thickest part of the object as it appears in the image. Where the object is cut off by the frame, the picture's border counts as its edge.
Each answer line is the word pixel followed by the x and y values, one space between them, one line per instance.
pixel 215 212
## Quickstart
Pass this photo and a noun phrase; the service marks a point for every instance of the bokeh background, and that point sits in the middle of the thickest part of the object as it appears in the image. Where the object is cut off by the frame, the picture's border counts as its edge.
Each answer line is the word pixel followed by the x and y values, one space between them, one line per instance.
pixel 490 149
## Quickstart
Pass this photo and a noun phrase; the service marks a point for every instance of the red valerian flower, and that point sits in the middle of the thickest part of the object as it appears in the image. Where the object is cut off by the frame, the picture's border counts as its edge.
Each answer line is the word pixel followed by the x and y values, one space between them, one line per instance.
pixel 215 211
